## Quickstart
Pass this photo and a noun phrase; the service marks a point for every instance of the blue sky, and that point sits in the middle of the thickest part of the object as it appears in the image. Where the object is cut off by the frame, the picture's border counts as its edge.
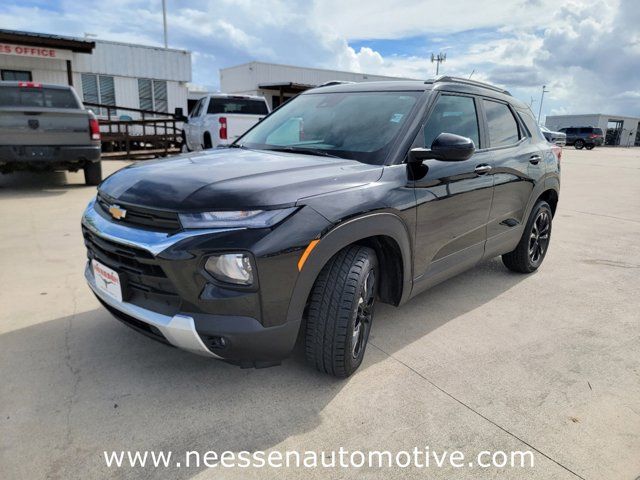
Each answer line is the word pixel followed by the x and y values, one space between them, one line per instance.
pixel 586 52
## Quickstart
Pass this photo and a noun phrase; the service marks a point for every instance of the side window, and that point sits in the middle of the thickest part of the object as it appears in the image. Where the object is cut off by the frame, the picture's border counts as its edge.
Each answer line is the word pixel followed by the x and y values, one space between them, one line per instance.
pixel 452 114
pixel 196 108
pixel 530 123
pixel 502 126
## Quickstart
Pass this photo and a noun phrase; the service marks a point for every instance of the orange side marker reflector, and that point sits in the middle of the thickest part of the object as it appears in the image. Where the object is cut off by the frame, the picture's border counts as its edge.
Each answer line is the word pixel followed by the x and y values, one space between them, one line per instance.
pixel 306 253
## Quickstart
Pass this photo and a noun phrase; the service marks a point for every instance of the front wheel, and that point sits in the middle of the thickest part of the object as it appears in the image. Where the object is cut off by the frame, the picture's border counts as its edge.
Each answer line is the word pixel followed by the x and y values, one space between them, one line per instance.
pixel 579 145
pixel 93 173
pixel 533 245
pixel 340 311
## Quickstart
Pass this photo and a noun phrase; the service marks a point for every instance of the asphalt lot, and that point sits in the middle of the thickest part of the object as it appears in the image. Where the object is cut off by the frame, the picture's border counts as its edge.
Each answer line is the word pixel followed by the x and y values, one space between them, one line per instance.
pixel 490 360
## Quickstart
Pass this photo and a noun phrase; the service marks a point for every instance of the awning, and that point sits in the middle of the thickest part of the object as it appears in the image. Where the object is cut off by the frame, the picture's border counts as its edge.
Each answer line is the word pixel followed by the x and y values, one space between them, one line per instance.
pixel 46 40
pixel 286 87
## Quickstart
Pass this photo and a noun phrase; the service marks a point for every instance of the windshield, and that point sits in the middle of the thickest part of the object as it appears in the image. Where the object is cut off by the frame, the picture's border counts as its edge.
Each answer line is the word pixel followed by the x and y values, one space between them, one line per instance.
pixel 356 125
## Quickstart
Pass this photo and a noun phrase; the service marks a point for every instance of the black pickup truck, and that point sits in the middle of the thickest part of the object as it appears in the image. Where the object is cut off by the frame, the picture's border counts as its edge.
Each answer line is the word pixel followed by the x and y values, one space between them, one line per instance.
pixel 344 196
pixel 45 127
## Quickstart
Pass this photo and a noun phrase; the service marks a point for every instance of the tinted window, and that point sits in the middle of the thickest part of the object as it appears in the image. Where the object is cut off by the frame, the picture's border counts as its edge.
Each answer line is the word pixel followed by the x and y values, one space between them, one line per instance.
pixel 237 105
pixel 356 125
pixel 598 131
pixel 37 97
pixel 452 114
pixel 586 130
pixel 529 121
pixel 572 131
pixel 503 128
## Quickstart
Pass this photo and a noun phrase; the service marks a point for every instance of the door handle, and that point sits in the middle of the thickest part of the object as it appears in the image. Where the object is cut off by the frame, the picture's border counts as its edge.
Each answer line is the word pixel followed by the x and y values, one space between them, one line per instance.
pixel 483 169
pixel 535 159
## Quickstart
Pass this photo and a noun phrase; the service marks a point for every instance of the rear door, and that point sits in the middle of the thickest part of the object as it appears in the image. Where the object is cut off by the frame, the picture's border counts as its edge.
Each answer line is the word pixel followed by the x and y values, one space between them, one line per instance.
pixel 517 165
pixel 193 128
pixel 453 198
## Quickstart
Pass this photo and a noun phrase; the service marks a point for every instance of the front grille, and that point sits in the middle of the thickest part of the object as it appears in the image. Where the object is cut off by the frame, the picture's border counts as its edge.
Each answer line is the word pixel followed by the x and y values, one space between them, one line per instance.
pixel 157 220
pixel 142 277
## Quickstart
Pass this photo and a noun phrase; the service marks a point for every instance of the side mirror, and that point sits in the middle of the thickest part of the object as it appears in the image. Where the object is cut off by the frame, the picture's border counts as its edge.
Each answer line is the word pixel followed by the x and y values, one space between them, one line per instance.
pixel 446 147
pixel 178 114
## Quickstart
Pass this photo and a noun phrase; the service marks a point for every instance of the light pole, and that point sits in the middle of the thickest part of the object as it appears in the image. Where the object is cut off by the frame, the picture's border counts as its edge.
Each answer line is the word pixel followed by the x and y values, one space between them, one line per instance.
pixel 544 90
pixel 164 22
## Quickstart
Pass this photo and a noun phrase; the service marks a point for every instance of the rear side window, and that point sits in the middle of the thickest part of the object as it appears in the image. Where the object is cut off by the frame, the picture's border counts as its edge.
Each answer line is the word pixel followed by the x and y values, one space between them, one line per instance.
pixel 11 96
pixel 529 121
pixel 586 130
pixel 237 105
pixel 502 125
pixel 452 114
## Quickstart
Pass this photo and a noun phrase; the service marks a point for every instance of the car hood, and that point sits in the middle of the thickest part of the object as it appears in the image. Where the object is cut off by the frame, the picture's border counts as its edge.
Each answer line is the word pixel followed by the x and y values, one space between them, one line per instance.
pixel 234 178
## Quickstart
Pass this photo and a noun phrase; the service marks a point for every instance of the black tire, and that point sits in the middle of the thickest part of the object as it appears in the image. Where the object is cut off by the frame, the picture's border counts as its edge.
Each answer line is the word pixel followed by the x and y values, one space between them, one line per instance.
pixel 340 311
pixel 93 173
pixel 590 146
pixel 534 244
pixel 207 141
pixel 579 145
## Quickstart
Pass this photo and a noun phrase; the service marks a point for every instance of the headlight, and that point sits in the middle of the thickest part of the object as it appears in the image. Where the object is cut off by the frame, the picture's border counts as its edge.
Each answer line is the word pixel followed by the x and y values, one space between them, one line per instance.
pixel 231 267
pixel 243 218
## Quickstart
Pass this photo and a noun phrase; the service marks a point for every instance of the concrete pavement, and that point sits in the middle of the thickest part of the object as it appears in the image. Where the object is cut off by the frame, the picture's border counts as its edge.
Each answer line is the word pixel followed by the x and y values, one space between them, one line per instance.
pixel 489 360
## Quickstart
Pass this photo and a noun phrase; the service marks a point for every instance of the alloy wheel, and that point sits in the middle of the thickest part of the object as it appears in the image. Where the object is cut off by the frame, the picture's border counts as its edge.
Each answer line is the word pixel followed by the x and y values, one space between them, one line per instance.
pixel 364 314
pixel 539 239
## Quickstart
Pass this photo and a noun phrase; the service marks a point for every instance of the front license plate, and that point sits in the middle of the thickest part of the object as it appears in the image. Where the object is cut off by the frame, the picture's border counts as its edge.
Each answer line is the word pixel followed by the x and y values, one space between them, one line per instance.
pixel 107 280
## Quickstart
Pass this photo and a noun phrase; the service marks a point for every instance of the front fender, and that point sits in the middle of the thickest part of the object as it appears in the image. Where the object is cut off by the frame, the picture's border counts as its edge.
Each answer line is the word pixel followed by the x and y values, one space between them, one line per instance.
pixel 345 233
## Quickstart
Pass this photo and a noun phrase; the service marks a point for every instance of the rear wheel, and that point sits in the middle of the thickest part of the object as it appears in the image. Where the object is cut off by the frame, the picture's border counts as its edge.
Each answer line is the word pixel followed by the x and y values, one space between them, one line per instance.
pixel 341 311
pixel 533 245
pixel 207 144
pixel 93 173
pixel 579 144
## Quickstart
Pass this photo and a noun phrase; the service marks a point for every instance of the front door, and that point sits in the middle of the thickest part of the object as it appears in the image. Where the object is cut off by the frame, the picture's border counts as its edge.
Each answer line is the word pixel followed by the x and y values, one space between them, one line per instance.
pixel 453 198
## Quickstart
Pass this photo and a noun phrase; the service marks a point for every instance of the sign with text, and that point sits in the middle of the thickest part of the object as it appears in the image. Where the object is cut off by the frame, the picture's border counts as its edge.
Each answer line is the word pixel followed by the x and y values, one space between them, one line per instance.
pixel 35 52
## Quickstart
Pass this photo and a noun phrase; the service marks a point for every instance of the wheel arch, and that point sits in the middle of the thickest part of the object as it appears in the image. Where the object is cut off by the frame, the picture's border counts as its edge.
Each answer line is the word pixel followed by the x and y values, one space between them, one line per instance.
pixel 386 233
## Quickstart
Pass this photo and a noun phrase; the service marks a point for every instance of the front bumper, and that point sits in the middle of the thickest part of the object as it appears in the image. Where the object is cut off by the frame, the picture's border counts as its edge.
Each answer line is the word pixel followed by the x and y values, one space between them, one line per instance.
pixel 192 312
pixel 178 330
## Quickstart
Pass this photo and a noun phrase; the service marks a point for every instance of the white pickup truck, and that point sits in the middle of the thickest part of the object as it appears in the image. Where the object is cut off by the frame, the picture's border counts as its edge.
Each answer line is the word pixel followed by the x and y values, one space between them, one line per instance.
pixel 219 119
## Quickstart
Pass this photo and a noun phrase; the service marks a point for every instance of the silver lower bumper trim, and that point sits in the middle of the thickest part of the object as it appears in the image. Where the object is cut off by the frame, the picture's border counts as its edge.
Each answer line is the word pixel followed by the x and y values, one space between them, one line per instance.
pixel 179 330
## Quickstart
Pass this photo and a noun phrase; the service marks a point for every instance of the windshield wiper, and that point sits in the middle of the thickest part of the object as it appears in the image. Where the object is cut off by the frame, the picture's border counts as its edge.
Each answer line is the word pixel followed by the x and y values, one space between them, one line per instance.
pixel 237 145
pixel 305 151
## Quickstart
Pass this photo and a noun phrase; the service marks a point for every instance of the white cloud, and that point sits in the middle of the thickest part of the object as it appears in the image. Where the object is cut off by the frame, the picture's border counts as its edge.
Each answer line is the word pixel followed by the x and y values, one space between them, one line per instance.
pixel 587 52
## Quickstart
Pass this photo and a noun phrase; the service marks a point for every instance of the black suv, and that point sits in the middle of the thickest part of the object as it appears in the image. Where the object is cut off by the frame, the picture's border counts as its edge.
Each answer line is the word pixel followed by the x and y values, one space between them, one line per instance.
pixel 342 197
pixel 583 137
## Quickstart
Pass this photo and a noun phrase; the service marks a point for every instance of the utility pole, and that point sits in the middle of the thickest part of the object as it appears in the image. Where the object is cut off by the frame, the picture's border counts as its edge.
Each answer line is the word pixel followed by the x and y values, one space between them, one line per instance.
pixel 439 58
pixel 164 22
pixel 544 90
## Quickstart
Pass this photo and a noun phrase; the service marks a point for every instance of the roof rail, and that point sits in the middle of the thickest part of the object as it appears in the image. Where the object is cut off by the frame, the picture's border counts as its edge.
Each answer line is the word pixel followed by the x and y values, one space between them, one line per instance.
pixel 334 82
pixel 467 81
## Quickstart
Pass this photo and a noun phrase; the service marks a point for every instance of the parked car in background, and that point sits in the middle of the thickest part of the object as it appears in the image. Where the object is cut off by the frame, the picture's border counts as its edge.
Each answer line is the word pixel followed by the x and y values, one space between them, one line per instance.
pixel 584 137
pixel 46 127
pixel 557 138
pixel 390 188
pixel 220 119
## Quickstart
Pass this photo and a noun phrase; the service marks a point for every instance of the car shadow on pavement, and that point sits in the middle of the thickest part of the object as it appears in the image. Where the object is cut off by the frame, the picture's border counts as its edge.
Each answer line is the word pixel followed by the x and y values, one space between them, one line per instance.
pixel 39 184
pixel 77 386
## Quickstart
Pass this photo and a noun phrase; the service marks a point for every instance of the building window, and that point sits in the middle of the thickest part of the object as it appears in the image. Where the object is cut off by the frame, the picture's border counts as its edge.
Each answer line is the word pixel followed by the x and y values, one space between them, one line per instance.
pixel 16 75
pixel 153 95
pixel 98 89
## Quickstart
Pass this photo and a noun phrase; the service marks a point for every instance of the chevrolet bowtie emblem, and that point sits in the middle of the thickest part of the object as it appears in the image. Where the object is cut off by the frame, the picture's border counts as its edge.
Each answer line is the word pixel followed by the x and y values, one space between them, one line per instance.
pixel 117 212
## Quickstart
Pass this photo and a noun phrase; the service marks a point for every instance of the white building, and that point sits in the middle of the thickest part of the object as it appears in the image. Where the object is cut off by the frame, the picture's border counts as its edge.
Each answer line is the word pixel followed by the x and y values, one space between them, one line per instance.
pixel 618 129
pixel 105 72
pixel 277 83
